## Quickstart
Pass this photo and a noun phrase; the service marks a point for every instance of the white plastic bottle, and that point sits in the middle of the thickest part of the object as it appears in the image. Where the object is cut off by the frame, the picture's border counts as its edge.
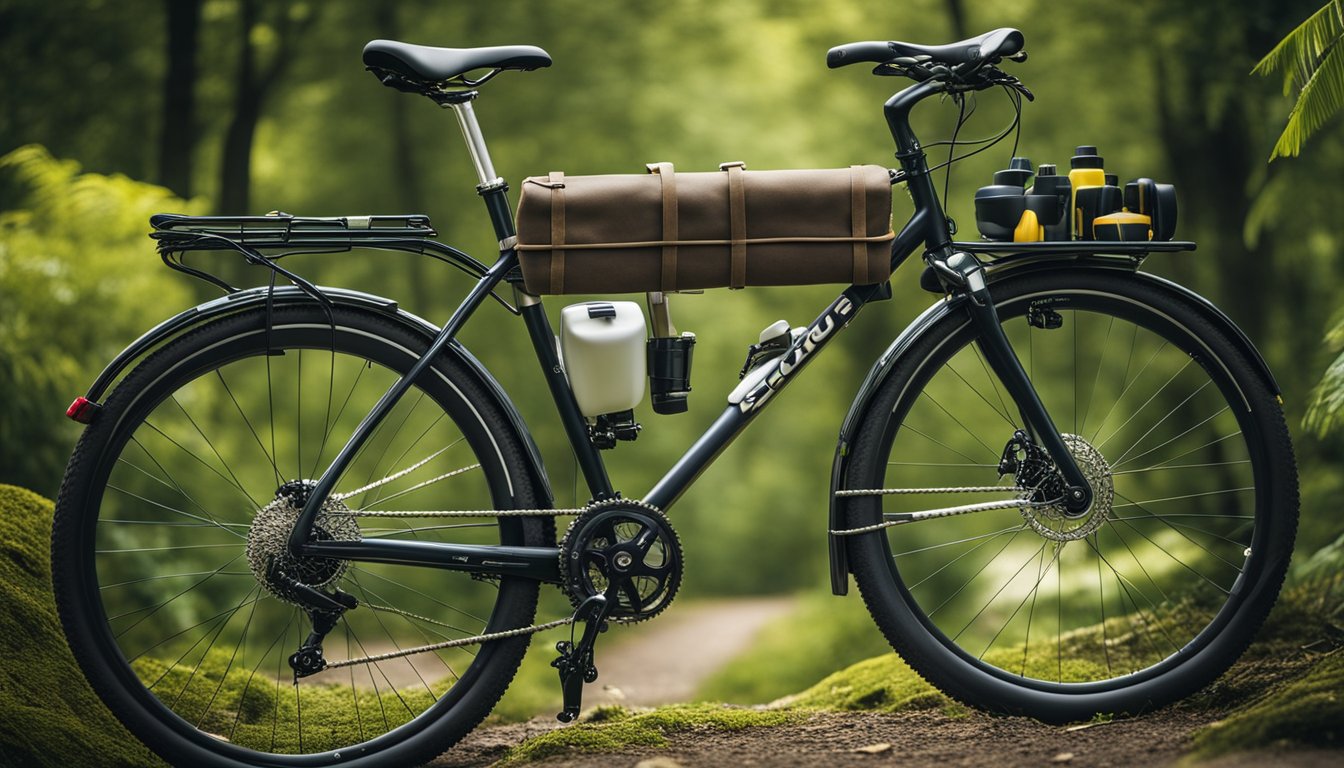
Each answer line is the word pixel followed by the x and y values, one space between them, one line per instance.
pixel 602 344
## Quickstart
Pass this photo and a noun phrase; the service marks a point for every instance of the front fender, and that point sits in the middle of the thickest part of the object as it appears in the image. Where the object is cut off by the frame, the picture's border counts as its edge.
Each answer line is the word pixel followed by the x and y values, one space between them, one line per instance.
pixel 894 356
pixel 288 295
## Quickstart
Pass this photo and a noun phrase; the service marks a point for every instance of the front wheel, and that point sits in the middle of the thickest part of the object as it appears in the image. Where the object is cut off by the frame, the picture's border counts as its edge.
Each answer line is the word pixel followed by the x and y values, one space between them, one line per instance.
pixel 178 503
pixel 1024 607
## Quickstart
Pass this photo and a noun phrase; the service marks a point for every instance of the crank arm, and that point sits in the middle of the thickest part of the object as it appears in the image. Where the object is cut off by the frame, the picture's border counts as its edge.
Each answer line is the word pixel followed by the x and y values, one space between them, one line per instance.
pixel 576 661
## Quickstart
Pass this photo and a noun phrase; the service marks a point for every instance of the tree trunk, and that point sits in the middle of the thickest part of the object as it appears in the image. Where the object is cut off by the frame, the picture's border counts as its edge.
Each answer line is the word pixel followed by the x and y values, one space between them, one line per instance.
pixel 236 165
pixel 177 138
pixel 251 86
pixel 956 14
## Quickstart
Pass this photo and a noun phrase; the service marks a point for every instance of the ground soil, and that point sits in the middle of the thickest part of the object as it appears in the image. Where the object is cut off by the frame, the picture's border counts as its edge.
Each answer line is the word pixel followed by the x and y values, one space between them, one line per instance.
pixel 664 662
pixel 911 739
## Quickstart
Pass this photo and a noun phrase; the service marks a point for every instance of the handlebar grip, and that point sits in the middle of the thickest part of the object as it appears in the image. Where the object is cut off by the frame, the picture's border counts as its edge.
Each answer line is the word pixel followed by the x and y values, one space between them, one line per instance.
pixel 872 51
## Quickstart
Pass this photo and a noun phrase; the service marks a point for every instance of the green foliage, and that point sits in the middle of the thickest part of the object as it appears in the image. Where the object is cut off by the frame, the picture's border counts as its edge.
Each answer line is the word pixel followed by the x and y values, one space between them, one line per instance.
pixel 78 280
pixel 694 82
pixel 1312 61
pixel 1327 399
pixel 48 714
pixel 613 729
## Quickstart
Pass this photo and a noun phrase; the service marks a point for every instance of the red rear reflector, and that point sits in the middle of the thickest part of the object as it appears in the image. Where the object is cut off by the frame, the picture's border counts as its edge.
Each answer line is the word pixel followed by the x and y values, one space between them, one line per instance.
pixel 82 410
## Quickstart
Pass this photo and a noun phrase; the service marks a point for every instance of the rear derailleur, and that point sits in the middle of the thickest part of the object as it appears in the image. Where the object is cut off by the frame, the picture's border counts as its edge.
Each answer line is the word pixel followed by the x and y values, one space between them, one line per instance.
pixel 324 611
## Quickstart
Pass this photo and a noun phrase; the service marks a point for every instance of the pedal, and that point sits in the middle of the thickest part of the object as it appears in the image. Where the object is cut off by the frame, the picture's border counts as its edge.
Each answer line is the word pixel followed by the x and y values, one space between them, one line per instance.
pixel 576 661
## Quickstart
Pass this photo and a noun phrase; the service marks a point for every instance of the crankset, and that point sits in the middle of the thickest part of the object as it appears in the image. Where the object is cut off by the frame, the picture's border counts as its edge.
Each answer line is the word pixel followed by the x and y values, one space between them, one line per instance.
pixel 621 561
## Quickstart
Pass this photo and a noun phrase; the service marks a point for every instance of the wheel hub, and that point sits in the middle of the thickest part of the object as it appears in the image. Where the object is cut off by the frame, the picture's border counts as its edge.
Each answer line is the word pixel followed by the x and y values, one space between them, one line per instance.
pixel 268 540
pixel 1055 521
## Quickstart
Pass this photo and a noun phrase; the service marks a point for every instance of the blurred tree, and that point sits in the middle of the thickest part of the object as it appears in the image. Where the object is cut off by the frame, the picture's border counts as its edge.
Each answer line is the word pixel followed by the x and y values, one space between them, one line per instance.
pixel 177 136
pixel 280 31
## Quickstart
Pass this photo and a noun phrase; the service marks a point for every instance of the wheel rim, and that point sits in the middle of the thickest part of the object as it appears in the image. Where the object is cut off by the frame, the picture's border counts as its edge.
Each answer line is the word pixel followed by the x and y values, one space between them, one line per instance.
pixel 1102 602
pixel 191 623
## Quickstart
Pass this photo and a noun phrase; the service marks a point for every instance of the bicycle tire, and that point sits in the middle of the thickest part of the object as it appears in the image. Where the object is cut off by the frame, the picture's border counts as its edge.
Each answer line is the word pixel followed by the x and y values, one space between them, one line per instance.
pixel 150 503
pixel 1175 602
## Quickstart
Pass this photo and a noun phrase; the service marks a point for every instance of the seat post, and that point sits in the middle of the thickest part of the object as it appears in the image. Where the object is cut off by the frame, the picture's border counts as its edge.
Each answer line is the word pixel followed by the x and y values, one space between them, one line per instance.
pixel 471 132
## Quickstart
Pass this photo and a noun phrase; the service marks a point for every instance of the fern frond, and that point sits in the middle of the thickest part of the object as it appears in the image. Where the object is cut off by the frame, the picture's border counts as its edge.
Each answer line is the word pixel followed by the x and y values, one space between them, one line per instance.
pixel 1320 98
pixel 1299 52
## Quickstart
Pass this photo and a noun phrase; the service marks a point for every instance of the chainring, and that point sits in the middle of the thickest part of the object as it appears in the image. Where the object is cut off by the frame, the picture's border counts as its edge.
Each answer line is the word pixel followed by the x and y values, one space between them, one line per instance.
pixel 626 550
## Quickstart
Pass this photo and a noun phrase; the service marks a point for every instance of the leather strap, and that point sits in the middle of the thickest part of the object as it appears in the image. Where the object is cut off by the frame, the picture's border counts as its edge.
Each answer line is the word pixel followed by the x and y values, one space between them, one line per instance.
pixel 667 177
pixel 858 217
pixel 737 218
pixel 557 180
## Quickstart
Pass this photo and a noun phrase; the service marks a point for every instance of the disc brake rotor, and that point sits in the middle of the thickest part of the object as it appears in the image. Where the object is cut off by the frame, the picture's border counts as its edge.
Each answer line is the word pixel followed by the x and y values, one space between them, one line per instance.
pixel 1054 521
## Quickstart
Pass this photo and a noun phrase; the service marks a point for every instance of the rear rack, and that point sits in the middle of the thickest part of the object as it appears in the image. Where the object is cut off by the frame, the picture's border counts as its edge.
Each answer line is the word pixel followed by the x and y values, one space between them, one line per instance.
pixel 264 240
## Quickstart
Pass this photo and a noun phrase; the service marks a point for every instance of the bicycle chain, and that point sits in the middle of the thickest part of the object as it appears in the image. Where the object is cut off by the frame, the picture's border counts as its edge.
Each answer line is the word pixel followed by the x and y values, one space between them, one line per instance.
pixel 1019 503
pixel 474 639
pixel 961 489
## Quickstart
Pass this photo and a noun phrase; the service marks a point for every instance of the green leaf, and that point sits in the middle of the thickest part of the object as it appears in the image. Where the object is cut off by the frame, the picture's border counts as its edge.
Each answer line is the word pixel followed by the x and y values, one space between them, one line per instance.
pixel 1313 67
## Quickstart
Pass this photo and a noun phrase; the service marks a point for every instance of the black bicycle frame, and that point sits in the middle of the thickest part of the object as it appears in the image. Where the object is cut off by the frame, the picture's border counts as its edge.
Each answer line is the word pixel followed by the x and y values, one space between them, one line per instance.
pixel 959 271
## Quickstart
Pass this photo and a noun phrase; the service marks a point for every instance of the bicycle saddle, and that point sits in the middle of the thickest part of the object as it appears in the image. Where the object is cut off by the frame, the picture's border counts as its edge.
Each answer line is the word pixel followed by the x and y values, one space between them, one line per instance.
pixel 423 63
pixel 1004 41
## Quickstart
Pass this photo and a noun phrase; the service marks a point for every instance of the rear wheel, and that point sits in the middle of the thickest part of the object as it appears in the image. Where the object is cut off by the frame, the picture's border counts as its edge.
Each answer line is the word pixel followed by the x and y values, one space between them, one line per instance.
pixel 179 498
pixel 1026 608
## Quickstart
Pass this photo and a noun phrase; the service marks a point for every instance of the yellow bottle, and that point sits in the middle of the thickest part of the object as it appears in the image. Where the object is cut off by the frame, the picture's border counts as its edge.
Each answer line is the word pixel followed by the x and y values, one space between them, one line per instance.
pixel 1086 176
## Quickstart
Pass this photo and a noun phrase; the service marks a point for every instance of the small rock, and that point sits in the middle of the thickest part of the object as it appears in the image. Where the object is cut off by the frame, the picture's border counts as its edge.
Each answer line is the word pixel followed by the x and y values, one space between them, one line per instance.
pixel 658 762
pixel 874 749
pixel 1062 757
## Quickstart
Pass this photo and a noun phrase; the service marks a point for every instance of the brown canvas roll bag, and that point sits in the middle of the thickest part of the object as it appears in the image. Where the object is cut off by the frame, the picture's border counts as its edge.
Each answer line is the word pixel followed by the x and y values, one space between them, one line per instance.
pixel 668 231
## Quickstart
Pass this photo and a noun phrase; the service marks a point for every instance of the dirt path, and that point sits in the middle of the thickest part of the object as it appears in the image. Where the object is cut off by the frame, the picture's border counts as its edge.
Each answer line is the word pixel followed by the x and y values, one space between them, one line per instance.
pixel 928 739
pixel 665 660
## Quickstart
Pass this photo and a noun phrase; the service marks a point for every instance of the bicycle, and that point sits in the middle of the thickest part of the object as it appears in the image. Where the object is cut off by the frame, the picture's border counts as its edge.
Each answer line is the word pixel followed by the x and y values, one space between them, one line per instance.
pixel 202 578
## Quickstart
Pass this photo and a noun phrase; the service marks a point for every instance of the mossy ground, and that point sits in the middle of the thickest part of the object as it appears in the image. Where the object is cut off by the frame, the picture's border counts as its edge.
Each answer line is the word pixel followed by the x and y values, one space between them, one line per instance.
pixel 614 729
pixel 48 713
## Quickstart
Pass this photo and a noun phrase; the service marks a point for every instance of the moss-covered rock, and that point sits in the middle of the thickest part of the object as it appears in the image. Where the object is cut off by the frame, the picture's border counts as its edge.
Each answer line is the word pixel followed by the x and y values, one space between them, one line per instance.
pixel 48 713
pixel 613 729
pixel 1308 712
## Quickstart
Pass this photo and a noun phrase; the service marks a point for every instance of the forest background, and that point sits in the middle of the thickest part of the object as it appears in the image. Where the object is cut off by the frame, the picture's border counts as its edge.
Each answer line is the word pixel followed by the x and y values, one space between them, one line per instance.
pixel 110 111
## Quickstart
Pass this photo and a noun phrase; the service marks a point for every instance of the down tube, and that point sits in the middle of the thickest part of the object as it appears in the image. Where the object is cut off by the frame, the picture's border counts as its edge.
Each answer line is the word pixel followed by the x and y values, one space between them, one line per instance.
pixel 778 373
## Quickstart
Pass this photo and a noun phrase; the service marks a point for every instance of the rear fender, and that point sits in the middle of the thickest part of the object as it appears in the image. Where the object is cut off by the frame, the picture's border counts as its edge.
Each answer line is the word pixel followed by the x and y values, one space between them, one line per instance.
pixel 290 295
